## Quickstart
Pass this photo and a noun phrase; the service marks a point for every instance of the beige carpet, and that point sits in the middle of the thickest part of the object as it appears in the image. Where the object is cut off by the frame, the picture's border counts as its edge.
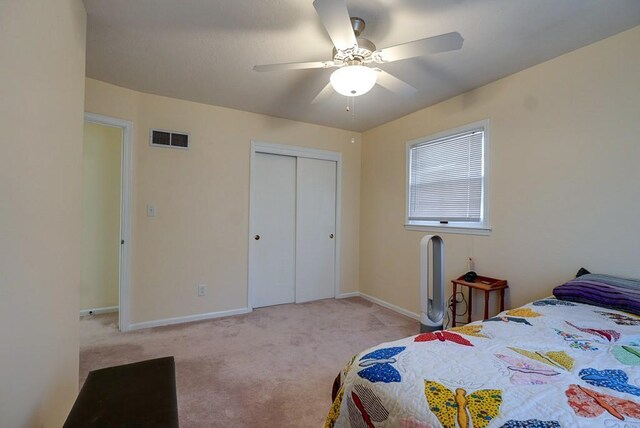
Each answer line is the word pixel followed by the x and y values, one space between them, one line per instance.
pixel 273 367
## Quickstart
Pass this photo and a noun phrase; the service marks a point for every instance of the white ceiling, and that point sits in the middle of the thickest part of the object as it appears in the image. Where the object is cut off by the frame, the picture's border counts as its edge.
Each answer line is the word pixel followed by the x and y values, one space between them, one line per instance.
pixel 204 50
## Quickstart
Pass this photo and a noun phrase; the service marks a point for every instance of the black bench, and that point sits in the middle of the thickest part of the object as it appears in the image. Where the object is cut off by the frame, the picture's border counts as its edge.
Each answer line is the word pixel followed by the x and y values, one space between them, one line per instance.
pixel 137 395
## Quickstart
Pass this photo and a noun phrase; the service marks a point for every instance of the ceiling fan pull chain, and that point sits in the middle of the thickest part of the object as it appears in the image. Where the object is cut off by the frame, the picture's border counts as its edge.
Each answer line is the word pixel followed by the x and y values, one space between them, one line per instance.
pixel 353 120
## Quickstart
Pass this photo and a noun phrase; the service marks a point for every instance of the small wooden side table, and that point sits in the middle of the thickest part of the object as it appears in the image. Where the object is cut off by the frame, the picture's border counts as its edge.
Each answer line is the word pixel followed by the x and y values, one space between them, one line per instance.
pixel 483 283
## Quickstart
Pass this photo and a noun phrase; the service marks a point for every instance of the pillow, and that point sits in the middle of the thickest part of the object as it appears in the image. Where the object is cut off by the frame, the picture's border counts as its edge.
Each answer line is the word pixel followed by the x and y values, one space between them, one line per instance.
pixel 602 290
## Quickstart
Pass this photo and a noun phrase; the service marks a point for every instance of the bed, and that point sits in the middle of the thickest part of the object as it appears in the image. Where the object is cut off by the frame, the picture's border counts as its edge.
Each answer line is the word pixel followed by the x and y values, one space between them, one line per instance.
pixel 550 363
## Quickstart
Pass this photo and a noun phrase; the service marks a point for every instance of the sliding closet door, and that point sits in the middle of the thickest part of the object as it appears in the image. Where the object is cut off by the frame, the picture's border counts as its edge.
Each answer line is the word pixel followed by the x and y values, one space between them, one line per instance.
pixel 315 229
pixel 273 227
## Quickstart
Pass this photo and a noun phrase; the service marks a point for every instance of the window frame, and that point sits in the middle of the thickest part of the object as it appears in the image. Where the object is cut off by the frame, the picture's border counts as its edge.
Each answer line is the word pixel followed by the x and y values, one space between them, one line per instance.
pixel 482 227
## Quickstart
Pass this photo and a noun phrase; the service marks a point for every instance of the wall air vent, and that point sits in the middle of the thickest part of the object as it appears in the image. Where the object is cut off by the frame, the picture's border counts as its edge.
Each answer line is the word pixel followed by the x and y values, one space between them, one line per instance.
pixel 173 139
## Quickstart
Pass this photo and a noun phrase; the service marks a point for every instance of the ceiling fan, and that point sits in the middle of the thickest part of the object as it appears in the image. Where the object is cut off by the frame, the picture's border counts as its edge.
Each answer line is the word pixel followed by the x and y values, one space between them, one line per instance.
pixel 354 55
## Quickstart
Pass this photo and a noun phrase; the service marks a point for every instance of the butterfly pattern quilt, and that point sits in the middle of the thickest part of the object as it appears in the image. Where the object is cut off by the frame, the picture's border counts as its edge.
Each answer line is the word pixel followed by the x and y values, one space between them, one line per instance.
pixel 550 363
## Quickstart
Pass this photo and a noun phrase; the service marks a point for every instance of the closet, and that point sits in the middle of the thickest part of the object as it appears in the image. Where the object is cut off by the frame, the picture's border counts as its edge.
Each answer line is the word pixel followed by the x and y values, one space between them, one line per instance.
pixel 292 254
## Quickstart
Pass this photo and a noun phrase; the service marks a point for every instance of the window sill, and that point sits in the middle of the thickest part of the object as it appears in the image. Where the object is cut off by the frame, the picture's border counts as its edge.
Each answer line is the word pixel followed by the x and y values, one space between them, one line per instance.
pixel 449 229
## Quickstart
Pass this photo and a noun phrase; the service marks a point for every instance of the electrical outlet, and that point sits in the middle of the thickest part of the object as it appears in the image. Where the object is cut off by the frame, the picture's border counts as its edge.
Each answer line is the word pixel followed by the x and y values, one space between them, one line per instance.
pixel 202 290
pixel 151 210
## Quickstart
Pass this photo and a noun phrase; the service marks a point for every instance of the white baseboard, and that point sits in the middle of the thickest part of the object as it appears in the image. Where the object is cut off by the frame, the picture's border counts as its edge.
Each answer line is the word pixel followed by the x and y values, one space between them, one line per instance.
pixel 240 311
pixel 347 295
pixel 96 311
pixel 188 318
pixel 391 306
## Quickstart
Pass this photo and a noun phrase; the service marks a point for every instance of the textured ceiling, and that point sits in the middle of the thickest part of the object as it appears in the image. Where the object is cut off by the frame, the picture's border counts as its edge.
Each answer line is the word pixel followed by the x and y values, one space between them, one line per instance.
pixel 204 50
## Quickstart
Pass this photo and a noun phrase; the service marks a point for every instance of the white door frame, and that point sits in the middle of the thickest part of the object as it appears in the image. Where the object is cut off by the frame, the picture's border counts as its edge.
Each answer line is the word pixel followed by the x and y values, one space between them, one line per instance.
pixel 298 152
pixel 126 169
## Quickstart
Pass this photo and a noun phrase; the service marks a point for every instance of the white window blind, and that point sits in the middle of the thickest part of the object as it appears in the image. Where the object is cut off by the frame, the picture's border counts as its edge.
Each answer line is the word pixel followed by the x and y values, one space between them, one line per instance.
pixel 446 178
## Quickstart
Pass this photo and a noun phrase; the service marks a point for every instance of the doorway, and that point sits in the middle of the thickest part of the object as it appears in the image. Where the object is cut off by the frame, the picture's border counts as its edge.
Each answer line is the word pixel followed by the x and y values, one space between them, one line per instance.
pixel 106 224
pixel 294 226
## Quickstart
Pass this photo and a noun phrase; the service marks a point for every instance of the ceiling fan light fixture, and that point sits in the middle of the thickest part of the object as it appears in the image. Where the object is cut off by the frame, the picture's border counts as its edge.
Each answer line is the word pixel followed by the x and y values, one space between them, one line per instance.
pixel 353 80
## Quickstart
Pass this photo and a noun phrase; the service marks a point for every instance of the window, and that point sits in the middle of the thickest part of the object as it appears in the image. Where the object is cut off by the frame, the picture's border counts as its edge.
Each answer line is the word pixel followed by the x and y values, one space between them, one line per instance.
pixel 447 181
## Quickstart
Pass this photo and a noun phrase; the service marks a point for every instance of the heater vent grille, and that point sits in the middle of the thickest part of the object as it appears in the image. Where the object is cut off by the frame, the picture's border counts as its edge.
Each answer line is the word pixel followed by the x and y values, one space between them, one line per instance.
pixel 172 139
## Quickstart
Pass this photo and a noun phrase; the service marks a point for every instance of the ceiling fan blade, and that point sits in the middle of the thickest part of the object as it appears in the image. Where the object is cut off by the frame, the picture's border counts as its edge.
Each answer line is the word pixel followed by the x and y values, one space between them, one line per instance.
pixel 430 45
pixel 294 66
pixel 335 18
pixel 325 93
pixel 392 83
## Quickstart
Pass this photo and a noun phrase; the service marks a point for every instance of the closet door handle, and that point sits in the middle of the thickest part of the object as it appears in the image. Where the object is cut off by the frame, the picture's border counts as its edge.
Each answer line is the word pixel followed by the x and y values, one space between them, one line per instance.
pixel 331 236
pixel 257 237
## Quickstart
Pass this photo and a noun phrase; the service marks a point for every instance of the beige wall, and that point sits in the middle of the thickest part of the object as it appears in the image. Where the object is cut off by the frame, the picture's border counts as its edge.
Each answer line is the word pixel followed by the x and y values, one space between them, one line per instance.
pixel 99 273
pixel 42 46
pixel 200 232
pixel 565 178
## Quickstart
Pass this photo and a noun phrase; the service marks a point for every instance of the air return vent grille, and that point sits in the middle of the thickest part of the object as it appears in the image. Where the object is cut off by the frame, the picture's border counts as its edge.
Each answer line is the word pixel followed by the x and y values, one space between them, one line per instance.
pixel 173 139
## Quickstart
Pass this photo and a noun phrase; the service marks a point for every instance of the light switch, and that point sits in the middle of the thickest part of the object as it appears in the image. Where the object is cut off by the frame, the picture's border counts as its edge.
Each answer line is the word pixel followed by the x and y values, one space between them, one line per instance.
pixel 151 210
